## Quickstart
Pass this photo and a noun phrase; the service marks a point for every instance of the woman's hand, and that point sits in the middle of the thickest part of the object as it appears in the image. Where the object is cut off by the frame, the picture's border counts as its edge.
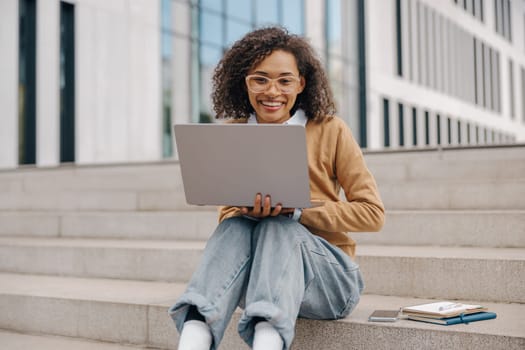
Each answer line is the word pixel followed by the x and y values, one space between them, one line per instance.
pixel 263 208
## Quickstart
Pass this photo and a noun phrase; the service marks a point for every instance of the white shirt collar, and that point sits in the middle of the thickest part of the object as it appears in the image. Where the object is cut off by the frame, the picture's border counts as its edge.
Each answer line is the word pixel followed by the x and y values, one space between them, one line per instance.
pixel 299 118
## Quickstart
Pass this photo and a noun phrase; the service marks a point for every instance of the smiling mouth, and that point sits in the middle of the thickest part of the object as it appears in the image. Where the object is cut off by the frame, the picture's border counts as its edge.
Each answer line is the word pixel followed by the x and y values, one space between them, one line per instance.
pixel 271 104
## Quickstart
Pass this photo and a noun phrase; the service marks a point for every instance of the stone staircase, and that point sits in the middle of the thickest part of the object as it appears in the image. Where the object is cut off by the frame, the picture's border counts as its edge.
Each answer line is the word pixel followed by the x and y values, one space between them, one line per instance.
pixel 92 257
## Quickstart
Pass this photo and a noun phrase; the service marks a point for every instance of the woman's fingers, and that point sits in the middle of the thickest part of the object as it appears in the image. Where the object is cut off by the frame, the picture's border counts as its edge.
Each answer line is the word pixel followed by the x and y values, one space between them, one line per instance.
pixel 263 208
pixel 267 206
pixel 277 210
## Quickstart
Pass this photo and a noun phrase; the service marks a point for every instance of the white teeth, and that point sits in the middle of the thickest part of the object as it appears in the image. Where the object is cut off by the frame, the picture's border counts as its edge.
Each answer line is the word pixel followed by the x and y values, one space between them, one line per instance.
pixel 271 104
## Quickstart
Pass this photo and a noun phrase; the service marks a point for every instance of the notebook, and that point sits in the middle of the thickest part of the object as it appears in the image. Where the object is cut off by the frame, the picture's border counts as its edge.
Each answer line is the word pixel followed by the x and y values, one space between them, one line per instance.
pixel 447 321
pixel 228 164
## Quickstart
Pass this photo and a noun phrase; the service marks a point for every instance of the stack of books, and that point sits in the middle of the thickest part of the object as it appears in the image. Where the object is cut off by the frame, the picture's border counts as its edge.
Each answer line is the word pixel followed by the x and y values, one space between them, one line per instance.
pixel 447 313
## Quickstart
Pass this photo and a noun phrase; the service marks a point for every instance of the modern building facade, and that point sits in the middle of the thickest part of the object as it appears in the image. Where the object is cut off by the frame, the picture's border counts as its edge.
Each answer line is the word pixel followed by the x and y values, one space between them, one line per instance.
pixel 95 81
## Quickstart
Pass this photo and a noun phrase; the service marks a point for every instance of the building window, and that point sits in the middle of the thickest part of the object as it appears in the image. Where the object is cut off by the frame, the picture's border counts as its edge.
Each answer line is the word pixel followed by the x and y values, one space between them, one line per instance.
pixel 476 71
pixel 502 18
pixel 523 94
pixel 335 60
pixel 438 129
pixel 167 76
pixel 474 7
pixel 497 81
pixel 414 126
pixel 401 124
pixel 511 89
pixel 361 47
pixel 449 131
pixel 27 82
pixel 386 122
pixel 459 132
pixel 427 128
pixel 487 76
pixel 67 82
pixel 447 58
pixel 399 40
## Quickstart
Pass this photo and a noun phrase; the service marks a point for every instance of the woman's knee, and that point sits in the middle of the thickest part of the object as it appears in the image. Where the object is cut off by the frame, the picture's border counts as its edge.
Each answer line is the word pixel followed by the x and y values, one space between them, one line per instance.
pixel 233 231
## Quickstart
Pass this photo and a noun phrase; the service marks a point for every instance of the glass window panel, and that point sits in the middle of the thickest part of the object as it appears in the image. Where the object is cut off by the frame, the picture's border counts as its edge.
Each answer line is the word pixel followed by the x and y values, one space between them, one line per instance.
pixel 427 128
pixel 266 12
pixel 239 9
pixel 459 132
pixel 333 21
pixel 386 123
pixel 215 5
pixel 166 29
pixel 205 108
pixel 166 14
pixel 211 28
pixel 167 53
pixel 210 55
pixel 293 15
pixel 414 126
pixel 401 120
pixel 235 30
pixel 438 128
pixel 167 49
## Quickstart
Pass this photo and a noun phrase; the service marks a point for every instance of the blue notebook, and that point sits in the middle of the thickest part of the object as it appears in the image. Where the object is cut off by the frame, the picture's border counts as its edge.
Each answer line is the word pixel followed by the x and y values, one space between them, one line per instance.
pixel 480 316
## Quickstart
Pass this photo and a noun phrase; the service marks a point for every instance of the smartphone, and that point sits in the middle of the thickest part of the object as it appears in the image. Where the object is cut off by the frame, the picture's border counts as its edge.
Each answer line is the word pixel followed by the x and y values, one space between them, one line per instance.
pixel 384 316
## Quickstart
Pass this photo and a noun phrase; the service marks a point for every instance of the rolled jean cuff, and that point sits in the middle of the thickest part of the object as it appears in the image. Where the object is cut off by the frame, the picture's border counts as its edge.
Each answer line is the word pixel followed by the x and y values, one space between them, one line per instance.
pixel 274 315
pixel 179 311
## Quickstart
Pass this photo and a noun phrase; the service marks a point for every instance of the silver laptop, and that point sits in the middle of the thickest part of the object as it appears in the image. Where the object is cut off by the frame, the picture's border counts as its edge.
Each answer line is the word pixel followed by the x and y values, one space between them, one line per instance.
pixel 228 164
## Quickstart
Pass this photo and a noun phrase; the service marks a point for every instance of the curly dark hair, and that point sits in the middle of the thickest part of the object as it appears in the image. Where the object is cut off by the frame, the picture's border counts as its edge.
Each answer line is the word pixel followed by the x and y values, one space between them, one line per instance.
pixel 230 96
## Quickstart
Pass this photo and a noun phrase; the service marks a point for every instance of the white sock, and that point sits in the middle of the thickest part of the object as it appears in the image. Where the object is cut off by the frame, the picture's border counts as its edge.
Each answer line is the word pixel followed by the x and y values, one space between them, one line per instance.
pixel 266 337
pixel 195 335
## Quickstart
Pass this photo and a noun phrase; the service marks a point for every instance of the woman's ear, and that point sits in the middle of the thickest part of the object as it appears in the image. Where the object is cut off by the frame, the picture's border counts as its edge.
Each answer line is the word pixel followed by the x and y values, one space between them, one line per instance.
pixel 302 84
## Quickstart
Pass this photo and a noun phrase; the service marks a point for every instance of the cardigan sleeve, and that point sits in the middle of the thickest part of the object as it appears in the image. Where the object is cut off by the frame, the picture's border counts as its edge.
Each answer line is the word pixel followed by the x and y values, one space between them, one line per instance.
pixel 228 212
pixel 363 211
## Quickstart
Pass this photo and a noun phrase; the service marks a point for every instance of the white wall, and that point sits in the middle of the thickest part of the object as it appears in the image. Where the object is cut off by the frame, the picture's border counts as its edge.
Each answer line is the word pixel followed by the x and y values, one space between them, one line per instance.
pixel 118 88
pixel 47 80
pixel 8 83
pixel 314 23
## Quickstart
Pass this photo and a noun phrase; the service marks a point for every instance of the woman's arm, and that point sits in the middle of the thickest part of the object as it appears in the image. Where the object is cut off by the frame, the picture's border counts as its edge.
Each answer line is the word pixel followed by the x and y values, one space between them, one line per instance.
pixel 363 210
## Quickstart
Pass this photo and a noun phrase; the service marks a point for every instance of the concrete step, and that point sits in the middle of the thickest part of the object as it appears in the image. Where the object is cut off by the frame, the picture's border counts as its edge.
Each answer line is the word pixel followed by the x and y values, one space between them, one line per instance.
pixel 465 165
pixel 397 170
pixel 490 195
pixel 133 312
pixel 113 177
pixel 96 200
pixel 465 154
pixel 438 272
pixel 19 341
pixel 492 274
pixel 508 194
pixel 183 225
pixel 476 228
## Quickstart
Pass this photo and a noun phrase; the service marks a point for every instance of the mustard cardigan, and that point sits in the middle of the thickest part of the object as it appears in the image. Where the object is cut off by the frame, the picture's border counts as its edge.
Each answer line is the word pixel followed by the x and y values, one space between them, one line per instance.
pixel 335 161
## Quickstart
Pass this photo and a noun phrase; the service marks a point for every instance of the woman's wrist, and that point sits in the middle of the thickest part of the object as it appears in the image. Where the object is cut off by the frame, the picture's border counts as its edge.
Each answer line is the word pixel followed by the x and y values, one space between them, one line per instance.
pixel 296 215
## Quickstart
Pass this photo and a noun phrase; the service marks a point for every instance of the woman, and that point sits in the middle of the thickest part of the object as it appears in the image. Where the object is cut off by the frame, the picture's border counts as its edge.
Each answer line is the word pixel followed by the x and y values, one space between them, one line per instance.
pixel 282 263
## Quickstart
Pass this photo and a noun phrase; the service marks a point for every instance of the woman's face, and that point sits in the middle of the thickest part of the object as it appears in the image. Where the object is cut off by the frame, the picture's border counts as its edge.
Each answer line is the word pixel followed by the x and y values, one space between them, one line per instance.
pixel 273 105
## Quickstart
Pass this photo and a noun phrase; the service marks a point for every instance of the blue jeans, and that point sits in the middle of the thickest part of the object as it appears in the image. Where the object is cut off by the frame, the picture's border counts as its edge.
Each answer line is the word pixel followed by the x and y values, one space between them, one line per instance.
pixel 274 269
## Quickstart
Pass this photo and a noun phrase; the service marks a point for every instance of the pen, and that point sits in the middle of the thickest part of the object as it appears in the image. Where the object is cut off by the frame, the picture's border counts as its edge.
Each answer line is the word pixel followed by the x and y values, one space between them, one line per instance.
pixel 448 307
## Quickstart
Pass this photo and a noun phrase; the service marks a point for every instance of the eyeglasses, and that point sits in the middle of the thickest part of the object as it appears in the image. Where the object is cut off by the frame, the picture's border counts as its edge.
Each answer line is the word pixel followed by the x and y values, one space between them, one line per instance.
pixel 259 83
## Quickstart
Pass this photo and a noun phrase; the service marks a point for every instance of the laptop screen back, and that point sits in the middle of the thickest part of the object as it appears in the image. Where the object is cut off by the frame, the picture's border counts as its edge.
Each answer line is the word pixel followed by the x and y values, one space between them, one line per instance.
pixel 228 164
